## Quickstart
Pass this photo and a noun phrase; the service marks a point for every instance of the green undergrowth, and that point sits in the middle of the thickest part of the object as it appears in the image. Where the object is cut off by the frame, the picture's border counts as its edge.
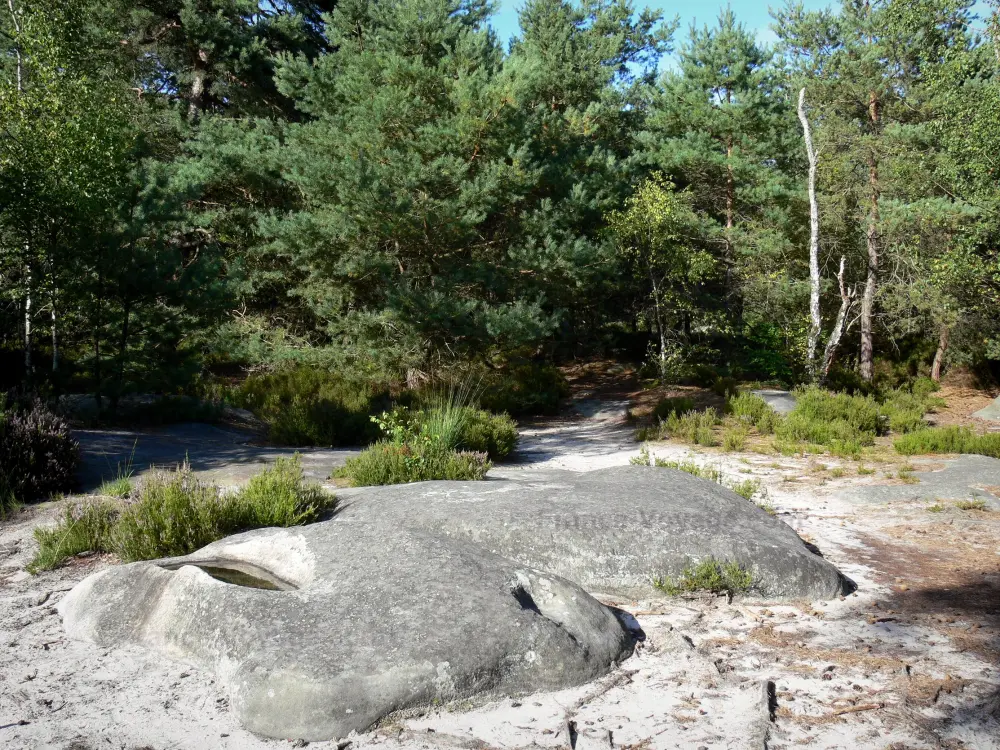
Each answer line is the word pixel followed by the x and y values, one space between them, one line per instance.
pixel 711 575
pixel 450 439
pixel 399 463
pixel 696 427
pixel 311 406
pixel 841 424
pixel 948 440
pixel 171 514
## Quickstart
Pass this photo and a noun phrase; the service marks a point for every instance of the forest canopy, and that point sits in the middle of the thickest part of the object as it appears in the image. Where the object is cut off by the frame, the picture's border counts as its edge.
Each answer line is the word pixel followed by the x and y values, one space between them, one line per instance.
pixel 386 188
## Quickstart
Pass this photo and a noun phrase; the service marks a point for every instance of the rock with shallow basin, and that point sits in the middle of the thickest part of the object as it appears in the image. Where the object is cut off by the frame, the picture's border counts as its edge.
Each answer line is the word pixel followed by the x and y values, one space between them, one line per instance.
pixel 418 594
pixel 334 626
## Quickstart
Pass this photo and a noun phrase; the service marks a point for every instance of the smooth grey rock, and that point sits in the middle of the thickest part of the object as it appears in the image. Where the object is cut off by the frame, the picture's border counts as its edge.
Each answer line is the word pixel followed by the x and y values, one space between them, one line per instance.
pixel 963 478
pixel 381 619
pixel 436 591
pixel 781 401
pixel 611 530
pixel 991 412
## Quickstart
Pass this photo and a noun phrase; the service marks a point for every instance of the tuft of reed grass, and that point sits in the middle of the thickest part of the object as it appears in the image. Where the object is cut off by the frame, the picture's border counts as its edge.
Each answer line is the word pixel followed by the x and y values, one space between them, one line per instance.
pixel 714 576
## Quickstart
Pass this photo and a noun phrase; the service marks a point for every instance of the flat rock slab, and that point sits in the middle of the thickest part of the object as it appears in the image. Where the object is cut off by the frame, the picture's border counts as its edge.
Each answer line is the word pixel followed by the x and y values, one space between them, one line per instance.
pixel 424 593
pixel 372 621
pixel 967 477
pixel 990 413
pixel 223 455
pixel 611 530
pixel 781 401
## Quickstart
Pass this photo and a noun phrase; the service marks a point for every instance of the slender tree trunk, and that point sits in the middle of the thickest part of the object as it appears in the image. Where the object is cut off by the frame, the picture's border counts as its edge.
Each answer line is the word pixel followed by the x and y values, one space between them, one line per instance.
pixel 832 344
pixel 55 336
pixel 871 237
pixel 659 325
pixel 122 346
pixel 815 321
pixel 940 354
pixel 17 48
pixel 27 322
pixel 730 206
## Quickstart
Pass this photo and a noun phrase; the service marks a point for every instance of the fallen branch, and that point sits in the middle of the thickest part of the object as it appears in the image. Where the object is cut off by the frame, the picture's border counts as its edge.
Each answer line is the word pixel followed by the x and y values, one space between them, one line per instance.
pixel 857 709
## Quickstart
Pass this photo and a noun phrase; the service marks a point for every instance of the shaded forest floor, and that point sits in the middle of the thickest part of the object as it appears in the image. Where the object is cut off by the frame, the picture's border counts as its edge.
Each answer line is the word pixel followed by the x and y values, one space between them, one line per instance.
pixel 910 660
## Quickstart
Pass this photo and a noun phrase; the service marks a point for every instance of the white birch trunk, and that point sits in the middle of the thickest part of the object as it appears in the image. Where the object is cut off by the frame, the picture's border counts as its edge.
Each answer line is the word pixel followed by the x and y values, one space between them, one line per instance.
pixel 815 321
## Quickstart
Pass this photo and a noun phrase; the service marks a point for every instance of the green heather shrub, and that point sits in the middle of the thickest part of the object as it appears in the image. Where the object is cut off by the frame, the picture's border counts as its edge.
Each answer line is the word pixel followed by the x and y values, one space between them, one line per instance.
pixel 725 387
pixel 309 406
pixel 492 434
pixel 452 426
pixel 904 410
pixel 38 456
pixel 948 440
pixel 400 463
pixel 531 389
pixel 710 575
pixel 860 412
pixel 174 514
pixel 672 405
pixel 734 438
pixel 749 408
pixel 692 427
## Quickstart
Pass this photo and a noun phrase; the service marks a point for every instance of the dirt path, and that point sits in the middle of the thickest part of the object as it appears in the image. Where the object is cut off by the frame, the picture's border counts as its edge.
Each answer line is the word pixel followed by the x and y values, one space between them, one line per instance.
pixel 910 660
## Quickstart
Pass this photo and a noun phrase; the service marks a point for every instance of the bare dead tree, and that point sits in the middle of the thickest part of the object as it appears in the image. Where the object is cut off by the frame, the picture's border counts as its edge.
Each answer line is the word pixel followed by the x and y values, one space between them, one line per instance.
pixel 815 322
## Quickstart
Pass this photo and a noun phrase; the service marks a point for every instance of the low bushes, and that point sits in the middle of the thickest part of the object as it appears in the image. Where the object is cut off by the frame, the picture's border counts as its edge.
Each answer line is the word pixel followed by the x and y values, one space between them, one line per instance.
pixel 38 456
pixel 531 389
pixel 692 427
pixel 175 514
pixel 672 405
pixel 309 406
pixel 448 440
pixel 948 440
pixel 710 575
pixel 399 463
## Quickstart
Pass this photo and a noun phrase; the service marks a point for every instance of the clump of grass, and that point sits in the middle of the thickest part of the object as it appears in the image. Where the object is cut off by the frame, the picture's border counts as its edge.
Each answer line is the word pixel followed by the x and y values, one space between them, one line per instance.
pixel 120 487
pixel 672 405
pixel 83 528
pixel 735 438
pixel 693 427
pixel 837 472
pixel 747 488
pixel 936 508
pixel 749 408
pixel 907 477
pixel 976 503
pixel 175 514
pixel 401 463
pixel 717 577
pixel 865 471
pixel 948 440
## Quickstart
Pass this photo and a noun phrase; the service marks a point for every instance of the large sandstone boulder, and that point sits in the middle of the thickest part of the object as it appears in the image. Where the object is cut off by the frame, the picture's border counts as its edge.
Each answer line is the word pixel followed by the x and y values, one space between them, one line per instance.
pixel 436 591
pixel 611 531
pixel 360 621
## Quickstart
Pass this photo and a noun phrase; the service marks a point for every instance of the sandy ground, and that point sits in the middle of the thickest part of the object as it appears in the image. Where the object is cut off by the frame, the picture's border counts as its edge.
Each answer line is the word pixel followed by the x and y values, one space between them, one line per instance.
pixel 910 660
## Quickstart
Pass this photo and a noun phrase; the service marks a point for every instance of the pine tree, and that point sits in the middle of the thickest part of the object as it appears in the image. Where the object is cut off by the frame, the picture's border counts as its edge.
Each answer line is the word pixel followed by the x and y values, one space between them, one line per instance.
pixel 721 126
pixel 866 70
